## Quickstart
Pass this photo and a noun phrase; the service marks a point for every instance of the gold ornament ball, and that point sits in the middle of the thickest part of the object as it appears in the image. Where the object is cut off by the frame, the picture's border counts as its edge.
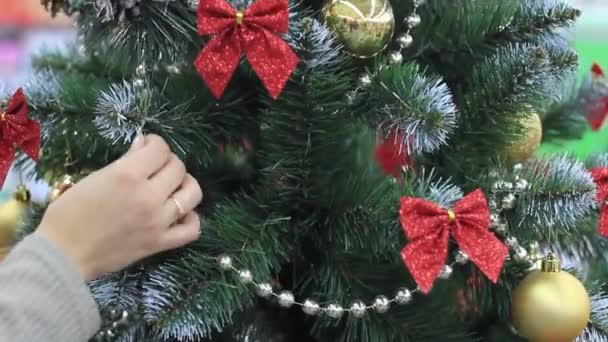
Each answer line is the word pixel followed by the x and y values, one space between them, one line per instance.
pixel 11 215
pixel 364 27
pixel 526 145
pixel 550 305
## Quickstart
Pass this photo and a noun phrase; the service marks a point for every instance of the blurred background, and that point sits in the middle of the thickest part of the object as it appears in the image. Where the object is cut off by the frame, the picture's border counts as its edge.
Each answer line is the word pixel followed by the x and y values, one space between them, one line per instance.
pixel 26 28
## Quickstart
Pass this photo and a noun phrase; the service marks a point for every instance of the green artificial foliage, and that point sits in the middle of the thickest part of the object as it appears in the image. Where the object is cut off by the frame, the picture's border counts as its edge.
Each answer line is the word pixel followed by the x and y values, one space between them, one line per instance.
pixel 293 192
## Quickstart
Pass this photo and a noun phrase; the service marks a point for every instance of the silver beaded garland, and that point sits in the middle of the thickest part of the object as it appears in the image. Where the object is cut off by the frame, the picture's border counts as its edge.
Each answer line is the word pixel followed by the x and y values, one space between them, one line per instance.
pixel 245 276
pixel 403 296
pixel 502 185
pixel 264 290
pixel 521 184
pixel 225 262
pixel 310 307
pixel 381 304
pixel 413 20
pixel 418 3
pixel 365 80
pixel 461 257
pixel 395 57
pixel 286 299
pixel 405 40
pixel 446 272
pixel 511 241
pixel 334 311
pixel 508 202
pixel 358 309
pixel 518 168
pixel 520 253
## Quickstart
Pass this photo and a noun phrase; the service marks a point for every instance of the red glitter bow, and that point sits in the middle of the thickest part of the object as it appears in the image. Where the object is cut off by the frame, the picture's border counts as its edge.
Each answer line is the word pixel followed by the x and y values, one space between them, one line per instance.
pixel 17 129
pixel 600 177
pixel 428 228
pixel 392 155
pixel 598 110
pixel 254 31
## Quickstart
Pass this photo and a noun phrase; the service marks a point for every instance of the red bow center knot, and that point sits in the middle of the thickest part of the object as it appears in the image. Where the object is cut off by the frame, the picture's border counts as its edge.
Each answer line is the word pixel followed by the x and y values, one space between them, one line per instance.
pixel 253 32
pixel 428 228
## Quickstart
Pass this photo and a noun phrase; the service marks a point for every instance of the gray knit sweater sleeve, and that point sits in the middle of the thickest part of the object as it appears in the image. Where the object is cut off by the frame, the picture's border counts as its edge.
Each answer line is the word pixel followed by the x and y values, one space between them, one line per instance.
pixel 43 296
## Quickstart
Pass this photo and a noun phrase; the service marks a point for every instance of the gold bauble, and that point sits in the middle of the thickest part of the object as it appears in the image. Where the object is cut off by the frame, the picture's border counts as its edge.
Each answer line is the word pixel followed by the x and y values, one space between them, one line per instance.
pixel 11 216
pixel 60 187
pixel 365 27
pixel 550 305
pixel 528 142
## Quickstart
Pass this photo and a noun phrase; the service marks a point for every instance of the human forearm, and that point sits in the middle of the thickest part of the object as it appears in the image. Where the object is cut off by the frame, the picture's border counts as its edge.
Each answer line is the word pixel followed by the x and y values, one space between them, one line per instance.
pixel 43 296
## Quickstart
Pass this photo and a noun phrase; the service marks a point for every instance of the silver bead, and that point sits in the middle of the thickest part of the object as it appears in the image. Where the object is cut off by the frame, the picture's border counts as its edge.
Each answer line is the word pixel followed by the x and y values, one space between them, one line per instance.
pixel 264 290
pixel 124 317
pixel 495 219
pixel 141 71
pixel 351 96
pixel 413 20
pixel 520 253
pixel 192 4
pixel 114 314
pixel 225 262
pixel 381 304
pixel 365 80
pixel 446 272
pixel 245 276
pixel 334 311
pixel 405 40
pixel 500 228
pixel 419 2
pixel 502 185
pixel 286 299
pixel 511 241
pixel 508 202
pixel 310 307
pixel 492 204
pixel 521 184
pixel 462 257
pixel 518 168
pixel 403 296
pixel 358 309
pixel 174 69
pixel 395 57
pixel 139 82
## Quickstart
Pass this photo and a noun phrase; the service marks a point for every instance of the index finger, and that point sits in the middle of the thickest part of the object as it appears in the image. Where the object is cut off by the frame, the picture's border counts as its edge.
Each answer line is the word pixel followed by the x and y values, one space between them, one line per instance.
pixel 149 158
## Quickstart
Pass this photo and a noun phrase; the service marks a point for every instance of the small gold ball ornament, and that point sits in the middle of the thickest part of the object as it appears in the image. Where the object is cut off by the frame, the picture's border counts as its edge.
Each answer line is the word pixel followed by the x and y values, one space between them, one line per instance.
pixel 550 305
pixel 365 27
pixel 523 148
pixel 11 216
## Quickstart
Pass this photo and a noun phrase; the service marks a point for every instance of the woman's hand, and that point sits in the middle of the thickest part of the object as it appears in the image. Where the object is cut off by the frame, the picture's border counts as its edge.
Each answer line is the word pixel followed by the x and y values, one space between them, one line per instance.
pixel 140 205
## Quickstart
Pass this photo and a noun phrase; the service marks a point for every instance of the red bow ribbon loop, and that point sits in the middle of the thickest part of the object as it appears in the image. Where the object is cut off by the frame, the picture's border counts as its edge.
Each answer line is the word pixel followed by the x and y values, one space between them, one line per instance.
pixel 17 129
pixel 254 31
pixel 600 177
pixel 428 228
pixel 597 111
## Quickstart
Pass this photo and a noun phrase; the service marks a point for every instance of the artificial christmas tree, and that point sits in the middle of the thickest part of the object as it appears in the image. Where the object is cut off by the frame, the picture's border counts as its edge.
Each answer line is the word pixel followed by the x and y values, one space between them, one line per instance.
pixel 305 237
